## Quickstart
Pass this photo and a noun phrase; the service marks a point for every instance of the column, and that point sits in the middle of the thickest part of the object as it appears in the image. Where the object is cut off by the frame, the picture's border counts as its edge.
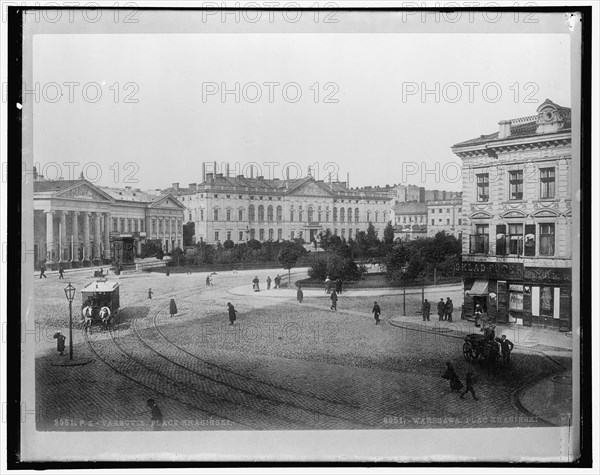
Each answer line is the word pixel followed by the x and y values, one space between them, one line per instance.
pixel 164 236
pixel 64 243
pixel 86 236
pixel 97 235
pixel 75 234
pixel 106 235
pixel 170 221
pixel 49 236
pixel 139 239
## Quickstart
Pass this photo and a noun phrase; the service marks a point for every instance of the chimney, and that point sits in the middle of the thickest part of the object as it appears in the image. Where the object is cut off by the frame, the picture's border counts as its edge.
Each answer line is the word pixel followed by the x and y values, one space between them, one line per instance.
pixel 348 179
pixel 193 186
pixel 209 178
pixel 227 170
pixel 203 172
pixel 176 186
pixel 504 129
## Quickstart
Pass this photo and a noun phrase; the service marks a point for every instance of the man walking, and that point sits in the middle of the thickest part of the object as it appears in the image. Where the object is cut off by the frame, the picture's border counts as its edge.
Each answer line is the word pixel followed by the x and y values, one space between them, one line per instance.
pixel 61 272
pixel 449 308
pixel 338 286
pixel 269 282
pixel 150 293
pixel 43 271
pixel 506 346
pixel 60 343
pixel 334 299
pixel 469 387
pixel 232 313
pixel 441 309
pixel 426 310
pixel 376 312
pixel 277 281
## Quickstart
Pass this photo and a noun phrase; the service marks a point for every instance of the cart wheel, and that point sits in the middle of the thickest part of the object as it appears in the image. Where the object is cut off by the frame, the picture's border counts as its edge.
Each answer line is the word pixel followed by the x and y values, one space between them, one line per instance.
pixel 467 351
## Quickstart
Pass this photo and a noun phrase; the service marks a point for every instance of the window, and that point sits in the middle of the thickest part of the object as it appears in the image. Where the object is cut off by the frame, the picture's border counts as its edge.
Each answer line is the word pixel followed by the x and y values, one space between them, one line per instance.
pixel 143 225
pixel 216 196
pixel 404 219
pixel 515 180
pixel 342 215
pixel 547 239
pixel 447 221
pixel 459 221
pixel 216 215
pixel 515 239
pixel 433 222
pixel 335 215
pixel 271 234
pixel 547 183
pixel 216 235
pixel 291 215
pixel 153 226
pixel 349 215
pixel 335 232
pixel 356 215
pixel 448 210
pixel 240 197
pixel 441 211
pixel 240 215
pixel 241 236
pixel 229 235
pixel 300 215
pixel 292 235
pixel 123 225
pixel 279 215
pixel 530 240
pixel 343 234
pixel 300 235
pixel 479 242
pixel 201 215
pixel 251 213
pixel 547 302
pixel 483 187
pixel 349 233
pixel 270 198
pixel 310 213
pixel 135 225
pixel 500 239
pixel 432 211
pixel 270 213
pixel 252 234
pixel 228 214
pixel 228 196
pixel 261 213
pixel 377 216
pixel 279 234
pixel 115 225
pixel 460 210
pixel 261 234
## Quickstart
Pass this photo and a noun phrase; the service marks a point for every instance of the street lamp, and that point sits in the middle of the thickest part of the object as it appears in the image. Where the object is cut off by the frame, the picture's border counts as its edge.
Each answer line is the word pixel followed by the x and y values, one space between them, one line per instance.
pixel 70 295
pixel 404 269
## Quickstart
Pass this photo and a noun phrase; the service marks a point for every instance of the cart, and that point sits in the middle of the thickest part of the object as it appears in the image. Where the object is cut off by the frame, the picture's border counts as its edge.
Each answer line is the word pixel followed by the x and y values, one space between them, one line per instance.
pixel 477 346
pixel 95 296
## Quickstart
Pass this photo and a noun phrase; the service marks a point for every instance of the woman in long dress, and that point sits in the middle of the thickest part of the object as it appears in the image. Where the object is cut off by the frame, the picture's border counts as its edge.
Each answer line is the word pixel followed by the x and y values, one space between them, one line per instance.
pixel 172 307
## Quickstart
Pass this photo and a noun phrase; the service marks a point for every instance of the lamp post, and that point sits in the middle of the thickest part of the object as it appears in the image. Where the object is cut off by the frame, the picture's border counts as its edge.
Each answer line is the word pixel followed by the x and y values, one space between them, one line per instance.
pixel 70 294
pixel 404 292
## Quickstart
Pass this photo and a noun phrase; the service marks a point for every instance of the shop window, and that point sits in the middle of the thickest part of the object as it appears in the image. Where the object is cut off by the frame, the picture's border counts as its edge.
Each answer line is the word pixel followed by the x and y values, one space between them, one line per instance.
pixel 483 187
pixel 547 239
pixel 546 302
pixel 515 239
pixel 515 180
pixel 547 182
pixel 515 297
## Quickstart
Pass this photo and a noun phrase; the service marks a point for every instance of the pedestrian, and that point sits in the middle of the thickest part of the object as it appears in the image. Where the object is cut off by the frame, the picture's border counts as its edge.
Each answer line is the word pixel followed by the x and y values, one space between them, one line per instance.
pixel 338 286
pixel 450 374
pixel 168 271
pixel 300 294
pixel 210 280
pixel 277 281
pixel 376 312
pixel 150 293
pixel 269 283
pixel 469 387
pixel 207 280
pixel 426 310
pixel 60 342
pixel 255 284
pixel 477 314
pixel 43 270
pixel 448 309
pixel 506 346
pixel 232 313
pixel 156 416
pixel 327 285
pixel 172 308
pixel 441 309
pixel 61 271
pixel 334 299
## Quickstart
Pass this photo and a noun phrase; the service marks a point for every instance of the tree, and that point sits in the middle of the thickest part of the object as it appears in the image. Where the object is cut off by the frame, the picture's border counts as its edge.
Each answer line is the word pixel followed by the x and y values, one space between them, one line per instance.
pixel 229 244
pixel 388 234
pixel 289 254
pixel 152 249
pixel 254 244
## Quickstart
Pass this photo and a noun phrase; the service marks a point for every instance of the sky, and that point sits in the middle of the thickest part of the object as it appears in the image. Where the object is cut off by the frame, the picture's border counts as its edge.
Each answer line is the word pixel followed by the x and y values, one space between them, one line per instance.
pixel 361 111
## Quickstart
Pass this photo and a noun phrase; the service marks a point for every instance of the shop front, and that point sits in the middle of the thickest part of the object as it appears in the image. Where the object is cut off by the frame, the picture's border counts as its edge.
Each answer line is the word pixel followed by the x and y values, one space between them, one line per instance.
pixel 547 297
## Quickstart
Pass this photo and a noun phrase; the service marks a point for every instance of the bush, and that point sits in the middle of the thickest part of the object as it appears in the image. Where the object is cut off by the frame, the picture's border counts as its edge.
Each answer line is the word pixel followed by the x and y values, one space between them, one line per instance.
pixel 229 244
pixel 336 267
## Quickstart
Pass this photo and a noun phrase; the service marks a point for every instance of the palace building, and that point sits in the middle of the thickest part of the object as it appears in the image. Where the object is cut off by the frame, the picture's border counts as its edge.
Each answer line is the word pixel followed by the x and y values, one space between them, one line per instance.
pixel 517 219
pixel 79 224
pixel 240 208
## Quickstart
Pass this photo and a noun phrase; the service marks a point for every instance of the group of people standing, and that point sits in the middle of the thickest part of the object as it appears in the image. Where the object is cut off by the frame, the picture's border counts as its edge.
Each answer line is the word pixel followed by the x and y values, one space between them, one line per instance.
pixel 335 285
pixel 276 282
pixel 445 309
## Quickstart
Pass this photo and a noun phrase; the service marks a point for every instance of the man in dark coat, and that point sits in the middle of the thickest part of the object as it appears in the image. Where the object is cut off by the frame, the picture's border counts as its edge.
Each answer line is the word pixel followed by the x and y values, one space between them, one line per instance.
pixel 43 271
pixel 255 284
pixel 150 293
pixel 232 313
pixel 469 387
pixel 334 299
pixel 208 280
pixel 168 271
pixel 426 310
pixel 269 283
pixel 61 271
pixel 300 294
pixel 60 342
pixel 449 308
pixel 441 309
pixel 172 308
pixel 376 312
pixel 277 281
pixel 506 346
pixel 338 286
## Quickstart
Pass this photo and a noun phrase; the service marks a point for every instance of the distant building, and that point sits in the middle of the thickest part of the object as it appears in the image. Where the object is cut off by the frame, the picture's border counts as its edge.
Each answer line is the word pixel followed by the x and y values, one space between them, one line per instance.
pixel 445 216
pixel 410 220
pixel 517 246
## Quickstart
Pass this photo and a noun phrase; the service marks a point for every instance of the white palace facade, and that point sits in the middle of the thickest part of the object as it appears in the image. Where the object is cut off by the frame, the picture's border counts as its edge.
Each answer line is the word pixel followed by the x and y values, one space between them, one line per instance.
pixel 241 208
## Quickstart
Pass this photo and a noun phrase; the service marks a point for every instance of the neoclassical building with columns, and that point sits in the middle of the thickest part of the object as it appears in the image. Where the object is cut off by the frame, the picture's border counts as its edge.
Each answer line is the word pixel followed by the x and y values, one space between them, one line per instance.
pixel 79 224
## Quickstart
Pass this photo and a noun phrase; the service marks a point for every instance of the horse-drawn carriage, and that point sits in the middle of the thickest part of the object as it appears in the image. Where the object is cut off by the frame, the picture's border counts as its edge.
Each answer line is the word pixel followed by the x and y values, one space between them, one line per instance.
pixel 484 347
pixel 100 303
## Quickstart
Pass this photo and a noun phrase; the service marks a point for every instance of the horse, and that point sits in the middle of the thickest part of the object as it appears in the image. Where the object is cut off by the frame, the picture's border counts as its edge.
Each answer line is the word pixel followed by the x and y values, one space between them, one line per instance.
pixel 105 316
pixel 86 317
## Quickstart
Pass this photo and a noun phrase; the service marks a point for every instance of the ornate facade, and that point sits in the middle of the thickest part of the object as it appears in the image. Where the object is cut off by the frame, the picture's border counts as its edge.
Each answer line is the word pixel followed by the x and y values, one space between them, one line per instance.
pixel 241 208
pixel 78 224
pixel 517 219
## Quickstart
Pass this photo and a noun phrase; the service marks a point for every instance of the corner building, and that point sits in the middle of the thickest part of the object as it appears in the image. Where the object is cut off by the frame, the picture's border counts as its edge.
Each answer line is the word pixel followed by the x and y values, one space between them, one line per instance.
pixel 517 219
pixel 241 208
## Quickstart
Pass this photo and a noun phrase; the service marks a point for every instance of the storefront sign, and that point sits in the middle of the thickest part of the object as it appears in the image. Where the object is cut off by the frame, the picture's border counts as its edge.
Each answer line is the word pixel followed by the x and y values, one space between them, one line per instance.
pixel 547 274
pixel 493 270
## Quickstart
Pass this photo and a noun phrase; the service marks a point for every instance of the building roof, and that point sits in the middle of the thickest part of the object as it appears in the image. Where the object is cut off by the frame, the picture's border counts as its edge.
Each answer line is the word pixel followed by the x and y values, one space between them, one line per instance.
pixel 523 127
pixel 410 208
pixel 130 194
